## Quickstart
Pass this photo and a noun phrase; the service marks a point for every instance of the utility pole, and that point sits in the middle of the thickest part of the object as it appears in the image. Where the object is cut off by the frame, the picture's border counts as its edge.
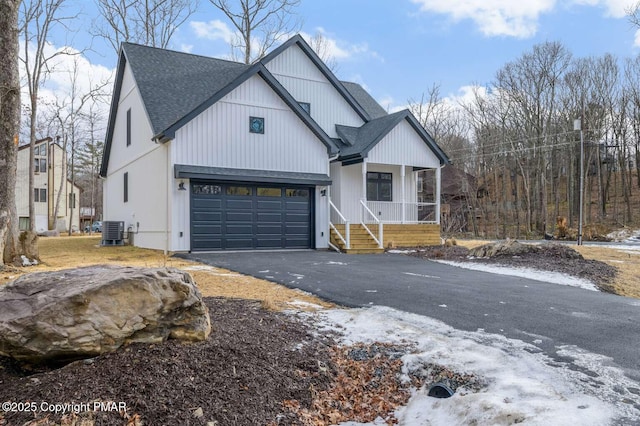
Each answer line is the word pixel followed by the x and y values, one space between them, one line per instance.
pixel 577 125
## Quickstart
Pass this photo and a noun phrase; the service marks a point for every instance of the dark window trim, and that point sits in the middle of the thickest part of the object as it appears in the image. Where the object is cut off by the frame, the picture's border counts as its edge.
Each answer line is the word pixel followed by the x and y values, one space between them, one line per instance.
pixel 129 127
pixel 257 131
pixel 305 106
pixel 39 195
pixel 126 187
pixel 378 180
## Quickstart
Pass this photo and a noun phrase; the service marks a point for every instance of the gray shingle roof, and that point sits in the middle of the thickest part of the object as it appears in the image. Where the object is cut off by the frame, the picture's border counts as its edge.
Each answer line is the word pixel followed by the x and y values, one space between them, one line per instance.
pixel 359 141
pixel 363 97
pixel 172 83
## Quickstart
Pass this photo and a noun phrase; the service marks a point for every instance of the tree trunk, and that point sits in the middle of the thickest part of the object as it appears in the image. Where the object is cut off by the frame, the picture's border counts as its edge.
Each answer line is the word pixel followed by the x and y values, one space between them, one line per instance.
pixel 9 126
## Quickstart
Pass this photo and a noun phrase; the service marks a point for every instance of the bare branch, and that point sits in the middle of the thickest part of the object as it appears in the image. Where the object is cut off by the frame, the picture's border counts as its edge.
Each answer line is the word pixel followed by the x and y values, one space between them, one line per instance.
pixel 259 24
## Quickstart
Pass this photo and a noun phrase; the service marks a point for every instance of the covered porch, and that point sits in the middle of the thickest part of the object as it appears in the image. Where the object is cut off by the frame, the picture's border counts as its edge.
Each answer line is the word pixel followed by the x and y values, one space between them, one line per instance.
pixel 376 205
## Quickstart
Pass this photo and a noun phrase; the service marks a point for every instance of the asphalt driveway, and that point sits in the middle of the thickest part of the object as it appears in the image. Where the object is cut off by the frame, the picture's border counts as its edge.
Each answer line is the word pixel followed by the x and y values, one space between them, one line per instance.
pixel 546 315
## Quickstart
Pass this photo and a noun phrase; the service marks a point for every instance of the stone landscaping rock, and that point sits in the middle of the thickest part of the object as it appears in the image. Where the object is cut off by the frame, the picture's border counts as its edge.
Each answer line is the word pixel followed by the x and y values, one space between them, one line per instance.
pixel 56 317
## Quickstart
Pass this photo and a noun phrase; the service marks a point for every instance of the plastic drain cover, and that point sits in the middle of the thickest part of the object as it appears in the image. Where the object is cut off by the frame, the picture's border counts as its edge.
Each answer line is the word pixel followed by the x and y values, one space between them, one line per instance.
pixel 440 390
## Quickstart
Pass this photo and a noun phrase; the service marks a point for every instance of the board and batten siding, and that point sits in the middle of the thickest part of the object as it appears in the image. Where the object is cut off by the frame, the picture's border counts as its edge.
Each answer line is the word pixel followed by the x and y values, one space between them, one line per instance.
pixel 147 168
pixel 122 155
pixel 147 205
pixel 347 197
pixel 300 76
pixel 403 145
pixel 220 137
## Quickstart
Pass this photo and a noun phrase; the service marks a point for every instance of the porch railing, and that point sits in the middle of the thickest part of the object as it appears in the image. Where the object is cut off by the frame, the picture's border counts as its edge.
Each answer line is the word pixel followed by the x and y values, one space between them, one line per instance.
pixel 365 218
pixel 399 212
pixel 337 217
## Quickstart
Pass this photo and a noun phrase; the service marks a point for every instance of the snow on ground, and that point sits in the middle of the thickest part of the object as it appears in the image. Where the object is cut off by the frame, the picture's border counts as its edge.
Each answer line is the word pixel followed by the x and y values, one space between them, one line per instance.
pixel 523 384
pixel 533 274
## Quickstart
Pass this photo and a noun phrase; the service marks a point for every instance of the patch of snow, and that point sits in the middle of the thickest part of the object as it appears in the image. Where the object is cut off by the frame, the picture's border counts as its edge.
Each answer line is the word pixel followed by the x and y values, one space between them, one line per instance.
pixel 395 251
pixel 264 272
pixel 28 262
pixel 442 306
pixel 199 268
pixel 211 270
pixel 371 291
pixel 297 276
pixel 331 262
pixel 532 274
pixel 420 275
pixel 522 383
pixel 303 304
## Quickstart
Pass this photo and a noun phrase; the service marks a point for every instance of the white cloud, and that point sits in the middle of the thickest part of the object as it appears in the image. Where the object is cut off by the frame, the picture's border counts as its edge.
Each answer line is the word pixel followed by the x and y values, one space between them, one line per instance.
pixel 513 18
pixel 341 50
pixel 57 87
pixel 614 8
pixel 636 40
pixel 186 48
pixel 493 17
pixel 213 30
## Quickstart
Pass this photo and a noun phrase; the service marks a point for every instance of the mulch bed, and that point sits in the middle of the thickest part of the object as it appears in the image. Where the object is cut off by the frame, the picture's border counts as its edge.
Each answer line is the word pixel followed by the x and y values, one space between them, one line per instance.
pixel 548 257
pixel 258 367
pixel 253 361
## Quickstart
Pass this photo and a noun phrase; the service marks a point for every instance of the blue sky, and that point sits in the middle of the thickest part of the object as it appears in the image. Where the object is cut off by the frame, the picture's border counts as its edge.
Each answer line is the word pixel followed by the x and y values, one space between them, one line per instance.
pixel 398 49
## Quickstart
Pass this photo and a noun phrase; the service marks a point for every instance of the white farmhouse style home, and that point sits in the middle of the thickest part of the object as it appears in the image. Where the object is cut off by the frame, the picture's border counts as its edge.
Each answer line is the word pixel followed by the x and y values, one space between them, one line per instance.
pixel 207 154
pixel 49 180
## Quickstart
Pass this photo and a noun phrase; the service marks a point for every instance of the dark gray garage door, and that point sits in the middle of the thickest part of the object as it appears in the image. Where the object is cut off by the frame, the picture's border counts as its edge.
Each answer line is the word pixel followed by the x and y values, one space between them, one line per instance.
pixel 238 216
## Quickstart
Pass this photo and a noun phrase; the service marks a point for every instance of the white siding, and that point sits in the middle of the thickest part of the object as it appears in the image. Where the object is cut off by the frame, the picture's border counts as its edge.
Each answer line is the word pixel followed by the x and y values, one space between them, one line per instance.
pixel 306 83
pixel 147 202
pixel 348 186
pixel 322 218
pixel 350 192
pixel 403 145
pixel 220 137
pixel 147 168
pixel 122 155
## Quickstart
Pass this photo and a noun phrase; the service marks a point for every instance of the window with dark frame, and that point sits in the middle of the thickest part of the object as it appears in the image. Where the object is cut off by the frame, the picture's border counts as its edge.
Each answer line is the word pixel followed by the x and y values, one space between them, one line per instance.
pixel 129 127
pixel 72 200
pixel 305 106
pixel 256 125
pixel 379 186
pixel 126 187
pixel 40 158
pixel 40 195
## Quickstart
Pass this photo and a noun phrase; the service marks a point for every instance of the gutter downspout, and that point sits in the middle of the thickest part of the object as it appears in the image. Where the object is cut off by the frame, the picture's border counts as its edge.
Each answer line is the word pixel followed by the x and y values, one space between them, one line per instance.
pixel 166 231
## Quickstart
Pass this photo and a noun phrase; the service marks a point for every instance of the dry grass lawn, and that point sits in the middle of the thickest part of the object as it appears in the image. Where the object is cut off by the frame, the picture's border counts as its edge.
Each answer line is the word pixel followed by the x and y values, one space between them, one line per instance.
pixel 627 263
pixel 71 252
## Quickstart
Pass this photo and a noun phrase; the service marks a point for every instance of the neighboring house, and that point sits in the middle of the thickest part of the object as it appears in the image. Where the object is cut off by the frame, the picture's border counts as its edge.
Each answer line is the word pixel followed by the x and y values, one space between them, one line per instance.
pixel 207 154
pixel 50 161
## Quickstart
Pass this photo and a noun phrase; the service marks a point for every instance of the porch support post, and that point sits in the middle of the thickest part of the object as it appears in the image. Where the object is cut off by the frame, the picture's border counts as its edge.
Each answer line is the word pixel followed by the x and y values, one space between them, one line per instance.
pixel 404 198
pixel 438 184
pixel 364 188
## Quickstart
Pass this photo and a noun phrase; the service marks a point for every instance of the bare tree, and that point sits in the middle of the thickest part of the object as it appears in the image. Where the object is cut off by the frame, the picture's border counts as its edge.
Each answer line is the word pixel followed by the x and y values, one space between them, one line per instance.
pixel 149 22
pixel 259 23
pixel 37 19
pixel 70 114
pixel 9 126
pixel 322 46
pixel 633 14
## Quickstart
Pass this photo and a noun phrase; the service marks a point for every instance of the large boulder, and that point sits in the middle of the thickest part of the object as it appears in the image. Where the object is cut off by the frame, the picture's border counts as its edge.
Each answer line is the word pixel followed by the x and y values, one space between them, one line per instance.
pixel 79 313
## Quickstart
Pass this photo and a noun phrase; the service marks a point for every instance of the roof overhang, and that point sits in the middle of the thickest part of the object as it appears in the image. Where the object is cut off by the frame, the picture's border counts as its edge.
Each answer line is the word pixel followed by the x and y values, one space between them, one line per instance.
pixel 222 174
